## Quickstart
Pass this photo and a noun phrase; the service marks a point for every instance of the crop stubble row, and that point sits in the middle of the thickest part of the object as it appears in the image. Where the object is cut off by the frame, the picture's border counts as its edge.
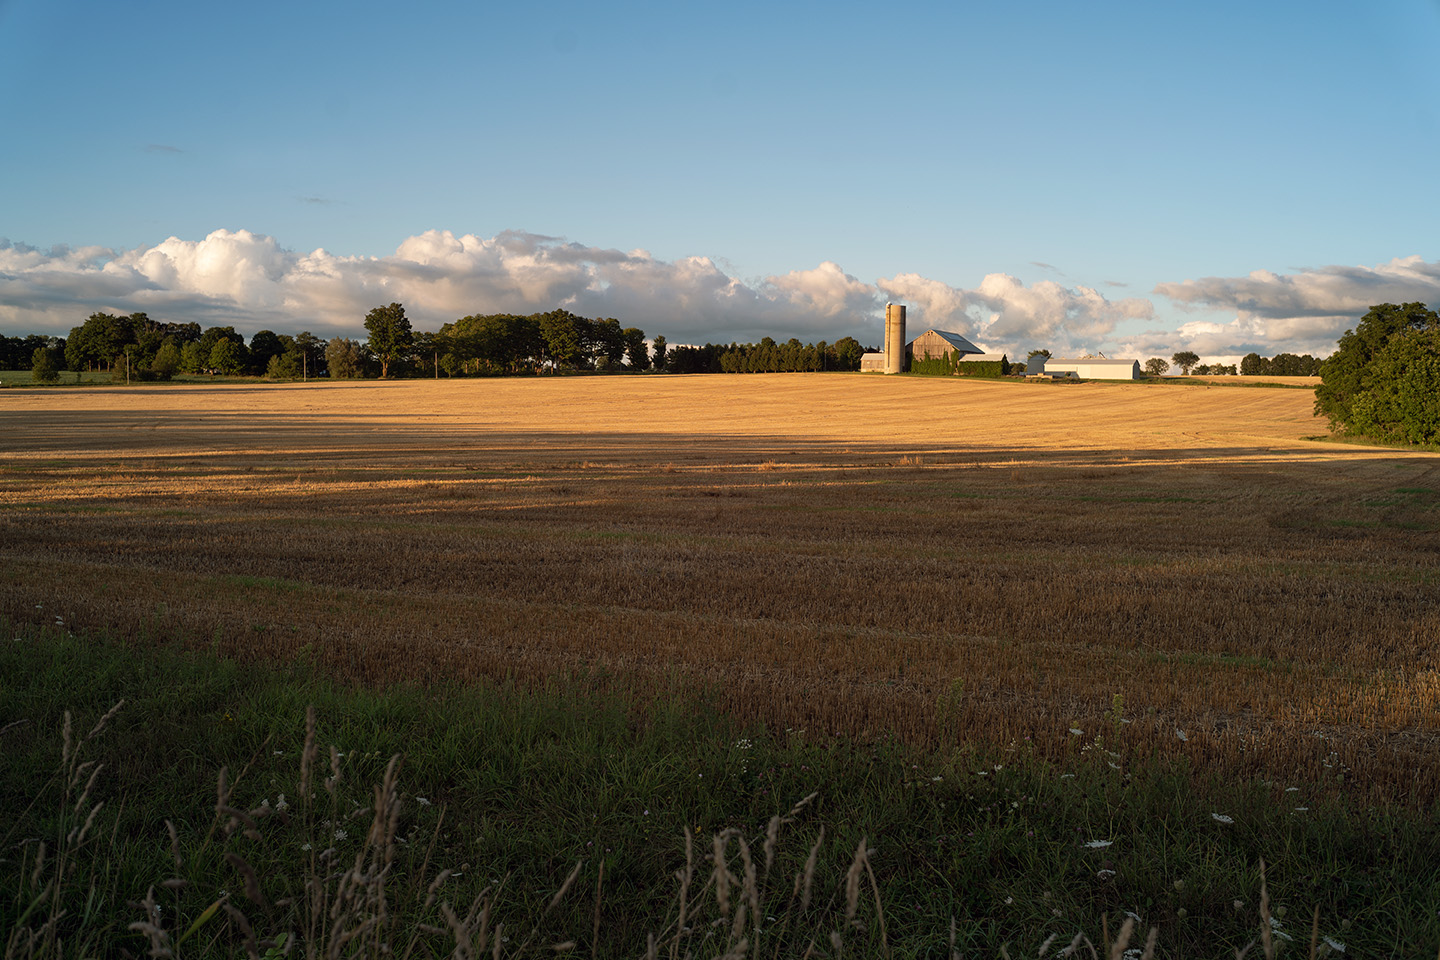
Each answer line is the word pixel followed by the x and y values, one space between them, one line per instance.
pixel 1273 603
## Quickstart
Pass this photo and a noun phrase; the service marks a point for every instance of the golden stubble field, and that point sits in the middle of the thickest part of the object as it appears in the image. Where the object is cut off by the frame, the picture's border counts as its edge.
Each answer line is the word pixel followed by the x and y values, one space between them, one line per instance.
pixel 946 561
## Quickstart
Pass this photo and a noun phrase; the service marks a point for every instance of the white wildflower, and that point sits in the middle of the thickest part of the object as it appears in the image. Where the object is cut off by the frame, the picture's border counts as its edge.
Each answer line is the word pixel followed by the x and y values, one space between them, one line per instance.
pixel 1221 818
pixel 281 804
pixel 1105 874
pixel 1076 731
pixel 423 801
pixel 1301 809
pixel 1334 944
pixel 1099 844
pixel 936 779
pixel 1181 734
pixel 1275 928
pixel 340 835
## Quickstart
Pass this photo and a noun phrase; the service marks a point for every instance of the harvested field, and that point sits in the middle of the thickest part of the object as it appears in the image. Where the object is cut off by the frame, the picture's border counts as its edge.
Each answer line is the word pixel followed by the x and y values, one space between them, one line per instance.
pixel 950 562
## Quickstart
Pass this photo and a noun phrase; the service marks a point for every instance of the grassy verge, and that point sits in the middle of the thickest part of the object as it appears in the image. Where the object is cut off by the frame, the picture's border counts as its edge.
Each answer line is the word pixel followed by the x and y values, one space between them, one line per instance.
pixel 506 797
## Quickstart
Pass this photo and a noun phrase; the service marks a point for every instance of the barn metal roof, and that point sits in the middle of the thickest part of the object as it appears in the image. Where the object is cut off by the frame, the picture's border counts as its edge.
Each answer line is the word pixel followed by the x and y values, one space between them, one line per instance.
pixel 954 339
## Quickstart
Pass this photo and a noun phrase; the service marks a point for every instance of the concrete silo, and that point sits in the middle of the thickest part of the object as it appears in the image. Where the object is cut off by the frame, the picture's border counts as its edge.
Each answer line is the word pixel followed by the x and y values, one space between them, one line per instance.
pixel 894 338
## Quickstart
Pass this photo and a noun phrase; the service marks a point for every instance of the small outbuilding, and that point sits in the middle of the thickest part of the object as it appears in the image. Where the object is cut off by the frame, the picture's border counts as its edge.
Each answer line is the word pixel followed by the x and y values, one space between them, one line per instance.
pixel 1090 368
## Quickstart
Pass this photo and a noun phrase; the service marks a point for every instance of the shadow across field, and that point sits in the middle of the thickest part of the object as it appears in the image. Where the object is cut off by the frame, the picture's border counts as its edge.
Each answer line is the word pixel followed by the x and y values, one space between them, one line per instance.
pixel 1263 605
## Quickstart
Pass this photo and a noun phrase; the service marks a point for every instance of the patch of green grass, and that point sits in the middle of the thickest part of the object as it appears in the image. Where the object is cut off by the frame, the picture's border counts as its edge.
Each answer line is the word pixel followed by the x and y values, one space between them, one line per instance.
pixel 513 787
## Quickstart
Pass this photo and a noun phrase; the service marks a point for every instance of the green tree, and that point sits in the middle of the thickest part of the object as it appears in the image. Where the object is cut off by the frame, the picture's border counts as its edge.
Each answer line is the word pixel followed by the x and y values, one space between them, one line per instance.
pixel 848 353
pixel 226 357
pixel 1383 379
pixel 561 332
pixel 609 343
pixel 264 345
pixel 390 335
pixel 42 368
pixel 192 357
pixel 657 351
pixel 97 342
pixel 343 358
pixel 427 348
pixel 167 359
pixel 1156 367
pixel 637 355
pixel 1185 360
pixel 312 353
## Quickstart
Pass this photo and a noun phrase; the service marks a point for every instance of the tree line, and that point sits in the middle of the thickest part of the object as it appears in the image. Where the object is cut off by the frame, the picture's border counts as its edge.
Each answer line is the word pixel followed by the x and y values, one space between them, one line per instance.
pixel 476 345
pixel 147 349
pixel 767 356
pixel 1280 365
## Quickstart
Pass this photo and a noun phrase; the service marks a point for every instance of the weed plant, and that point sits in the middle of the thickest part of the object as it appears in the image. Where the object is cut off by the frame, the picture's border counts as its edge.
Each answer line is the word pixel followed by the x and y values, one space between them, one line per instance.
pixel 221 809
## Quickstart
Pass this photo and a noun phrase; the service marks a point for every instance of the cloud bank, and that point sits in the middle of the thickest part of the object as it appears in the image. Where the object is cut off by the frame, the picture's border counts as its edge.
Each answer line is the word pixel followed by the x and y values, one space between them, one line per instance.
pixel 249 281
pixel 1302 312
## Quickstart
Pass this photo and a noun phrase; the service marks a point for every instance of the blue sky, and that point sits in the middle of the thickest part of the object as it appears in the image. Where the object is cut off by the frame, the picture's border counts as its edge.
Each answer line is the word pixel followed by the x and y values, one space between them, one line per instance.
pixel 1130 177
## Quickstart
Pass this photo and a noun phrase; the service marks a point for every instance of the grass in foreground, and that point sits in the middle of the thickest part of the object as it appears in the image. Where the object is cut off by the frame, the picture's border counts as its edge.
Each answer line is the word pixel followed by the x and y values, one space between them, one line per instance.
pixel 551 817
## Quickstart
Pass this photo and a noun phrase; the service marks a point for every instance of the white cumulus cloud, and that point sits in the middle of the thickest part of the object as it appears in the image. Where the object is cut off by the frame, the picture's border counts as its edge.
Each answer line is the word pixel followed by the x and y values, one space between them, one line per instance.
pixel 1301 312
pixel 1005 314
pixel 252 282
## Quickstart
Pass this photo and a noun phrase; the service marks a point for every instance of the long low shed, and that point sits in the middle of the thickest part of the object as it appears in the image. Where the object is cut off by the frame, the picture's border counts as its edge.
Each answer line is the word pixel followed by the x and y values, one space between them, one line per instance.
pixel 1092 368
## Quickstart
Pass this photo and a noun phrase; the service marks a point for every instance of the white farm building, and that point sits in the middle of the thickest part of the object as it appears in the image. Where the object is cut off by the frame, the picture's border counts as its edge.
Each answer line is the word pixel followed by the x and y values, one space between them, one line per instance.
pixel 1085 368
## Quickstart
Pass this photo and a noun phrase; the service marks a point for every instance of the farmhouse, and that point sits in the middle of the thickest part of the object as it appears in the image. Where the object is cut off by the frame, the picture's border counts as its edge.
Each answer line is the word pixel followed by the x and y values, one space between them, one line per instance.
pixel 1086 368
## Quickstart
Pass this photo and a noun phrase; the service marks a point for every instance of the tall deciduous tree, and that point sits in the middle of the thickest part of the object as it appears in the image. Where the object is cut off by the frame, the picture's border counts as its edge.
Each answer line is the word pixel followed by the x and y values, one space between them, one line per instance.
pixel 1185 360
pixel 264 345
pixel 1383 380
pixel 227 357
pixel 636 353
pixel 43 369
pixel 848 353
pixel 1156 366
pixel 343 358
pixel 390 335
